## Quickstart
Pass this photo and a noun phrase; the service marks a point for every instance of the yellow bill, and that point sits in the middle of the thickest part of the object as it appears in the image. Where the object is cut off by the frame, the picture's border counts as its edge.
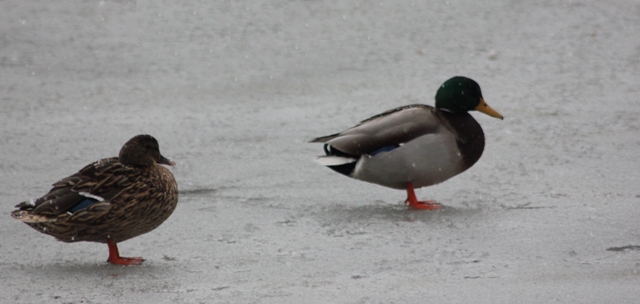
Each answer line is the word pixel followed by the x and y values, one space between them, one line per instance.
pixel 486 109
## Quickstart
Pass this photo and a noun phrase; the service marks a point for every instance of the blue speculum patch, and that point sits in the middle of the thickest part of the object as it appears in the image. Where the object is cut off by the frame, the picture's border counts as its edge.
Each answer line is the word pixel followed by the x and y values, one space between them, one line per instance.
pixel 384 149
pixel 83 204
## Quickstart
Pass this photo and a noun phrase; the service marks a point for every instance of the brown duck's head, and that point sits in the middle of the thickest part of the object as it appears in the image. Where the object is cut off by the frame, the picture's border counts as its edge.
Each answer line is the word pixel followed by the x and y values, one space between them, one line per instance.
pixel 142 151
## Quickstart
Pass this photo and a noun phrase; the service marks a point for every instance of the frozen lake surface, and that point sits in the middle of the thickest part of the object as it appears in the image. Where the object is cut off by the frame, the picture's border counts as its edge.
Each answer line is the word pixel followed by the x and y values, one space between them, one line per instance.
pixel 233 90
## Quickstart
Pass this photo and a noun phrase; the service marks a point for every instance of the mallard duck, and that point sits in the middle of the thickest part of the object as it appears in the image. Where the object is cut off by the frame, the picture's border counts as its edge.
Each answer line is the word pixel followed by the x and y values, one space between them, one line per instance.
pixel 109 201
pixel 413 146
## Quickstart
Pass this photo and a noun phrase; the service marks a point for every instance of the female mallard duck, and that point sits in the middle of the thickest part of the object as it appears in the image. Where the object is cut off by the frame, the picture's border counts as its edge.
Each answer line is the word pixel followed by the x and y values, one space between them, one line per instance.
pixel 415 145
pixel 108 201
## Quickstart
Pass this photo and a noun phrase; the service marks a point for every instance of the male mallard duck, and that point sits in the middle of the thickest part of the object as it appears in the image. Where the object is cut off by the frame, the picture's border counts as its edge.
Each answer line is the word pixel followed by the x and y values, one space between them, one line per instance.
pixel 108 201
pixel 415 145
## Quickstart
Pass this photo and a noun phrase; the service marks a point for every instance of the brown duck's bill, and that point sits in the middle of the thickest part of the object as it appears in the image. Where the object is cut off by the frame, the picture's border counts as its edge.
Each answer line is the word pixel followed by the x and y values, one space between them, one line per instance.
pixel 486 109
pixel 165 161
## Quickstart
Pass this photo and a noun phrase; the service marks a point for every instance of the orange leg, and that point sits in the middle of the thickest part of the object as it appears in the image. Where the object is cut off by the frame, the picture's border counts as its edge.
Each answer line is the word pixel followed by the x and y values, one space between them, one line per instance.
pixel 115 258
pixel 413 201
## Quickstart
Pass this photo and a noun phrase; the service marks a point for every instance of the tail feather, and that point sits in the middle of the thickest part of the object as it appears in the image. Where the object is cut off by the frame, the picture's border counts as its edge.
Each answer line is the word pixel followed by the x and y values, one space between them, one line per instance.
pixel 28 217
pixel 324 139
pixel 330 160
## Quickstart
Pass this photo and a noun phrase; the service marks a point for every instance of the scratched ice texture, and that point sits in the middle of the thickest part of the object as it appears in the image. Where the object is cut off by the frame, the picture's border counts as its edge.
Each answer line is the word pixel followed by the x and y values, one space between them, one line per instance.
pixel 233 90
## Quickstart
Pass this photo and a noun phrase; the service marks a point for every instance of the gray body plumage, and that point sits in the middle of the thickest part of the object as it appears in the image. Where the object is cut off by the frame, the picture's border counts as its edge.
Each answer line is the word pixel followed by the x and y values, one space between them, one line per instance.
pixel 427 147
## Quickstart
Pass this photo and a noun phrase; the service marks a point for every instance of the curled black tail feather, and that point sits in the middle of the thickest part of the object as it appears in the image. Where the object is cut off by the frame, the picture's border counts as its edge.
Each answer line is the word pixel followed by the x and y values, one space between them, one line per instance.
pixel 345 169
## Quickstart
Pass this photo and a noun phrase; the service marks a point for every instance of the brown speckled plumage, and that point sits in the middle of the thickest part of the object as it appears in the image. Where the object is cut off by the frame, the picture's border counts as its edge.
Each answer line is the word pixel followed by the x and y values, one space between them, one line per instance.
pixel 131 195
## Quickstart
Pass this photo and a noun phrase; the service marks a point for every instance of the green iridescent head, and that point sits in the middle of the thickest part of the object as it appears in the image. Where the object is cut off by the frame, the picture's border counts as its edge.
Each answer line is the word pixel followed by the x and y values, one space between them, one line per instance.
pixel 461 94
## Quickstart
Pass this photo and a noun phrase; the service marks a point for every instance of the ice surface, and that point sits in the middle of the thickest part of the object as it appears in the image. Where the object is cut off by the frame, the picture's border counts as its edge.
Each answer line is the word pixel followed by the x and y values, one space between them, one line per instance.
pixel 233 90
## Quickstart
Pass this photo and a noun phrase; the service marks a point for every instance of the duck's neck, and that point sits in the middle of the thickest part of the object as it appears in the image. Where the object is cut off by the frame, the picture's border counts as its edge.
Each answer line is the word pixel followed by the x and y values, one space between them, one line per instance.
pixel 469 136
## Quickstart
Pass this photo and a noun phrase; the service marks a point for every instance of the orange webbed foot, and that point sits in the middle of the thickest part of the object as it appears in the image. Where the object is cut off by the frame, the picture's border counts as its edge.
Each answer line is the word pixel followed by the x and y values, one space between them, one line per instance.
pixel 125 261
pixel 116 259
pixel 424 205
pixel 415 203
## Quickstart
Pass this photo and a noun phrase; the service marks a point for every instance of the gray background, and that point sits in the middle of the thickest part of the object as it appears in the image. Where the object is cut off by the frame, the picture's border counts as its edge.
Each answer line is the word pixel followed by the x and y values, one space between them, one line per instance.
pixel 233 90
